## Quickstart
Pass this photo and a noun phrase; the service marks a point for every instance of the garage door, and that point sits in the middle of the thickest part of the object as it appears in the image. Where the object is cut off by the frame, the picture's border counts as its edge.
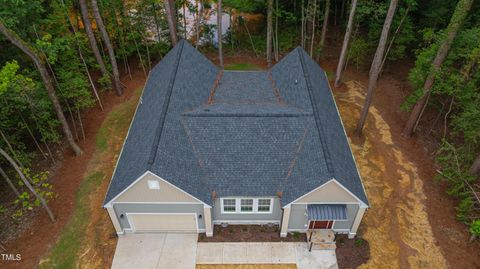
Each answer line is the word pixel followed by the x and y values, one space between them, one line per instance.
pixel 163 222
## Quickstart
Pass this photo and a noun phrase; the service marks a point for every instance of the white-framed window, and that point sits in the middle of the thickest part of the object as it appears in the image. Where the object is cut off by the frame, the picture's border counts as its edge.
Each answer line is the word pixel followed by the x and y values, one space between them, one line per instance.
pixel 229 205
pixel 153 185
pixel 246 205
pixel 264 205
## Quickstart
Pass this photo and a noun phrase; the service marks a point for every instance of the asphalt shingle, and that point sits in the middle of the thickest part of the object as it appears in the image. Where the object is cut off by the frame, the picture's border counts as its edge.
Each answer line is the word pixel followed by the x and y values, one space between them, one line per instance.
pixel 237 133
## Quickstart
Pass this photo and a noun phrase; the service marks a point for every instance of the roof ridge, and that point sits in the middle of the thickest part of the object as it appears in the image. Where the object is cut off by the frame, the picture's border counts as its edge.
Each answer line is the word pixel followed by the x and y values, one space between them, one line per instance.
pixel 166 102
pixel 326 152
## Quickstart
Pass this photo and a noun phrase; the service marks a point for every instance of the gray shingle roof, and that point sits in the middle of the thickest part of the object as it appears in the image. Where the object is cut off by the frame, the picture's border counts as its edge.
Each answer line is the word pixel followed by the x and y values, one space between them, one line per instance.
pixel 237 133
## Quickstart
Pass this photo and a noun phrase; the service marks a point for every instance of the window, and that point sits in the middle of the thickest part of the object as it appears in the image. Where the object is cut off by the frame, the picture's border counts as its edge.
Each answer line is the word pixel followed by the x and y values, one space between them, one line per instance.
pixel 229 205
pixel 264 205
pixel 153 185
pixel 246 205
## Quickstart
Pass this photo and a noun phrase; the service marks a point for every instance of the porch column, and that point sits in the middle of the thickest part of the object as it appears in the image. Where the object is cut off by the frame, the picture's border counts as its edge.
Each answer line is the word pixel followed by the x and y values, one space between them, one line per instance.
pixel 113 218
pixel 285 220
pixel 356 222
pixel 207 216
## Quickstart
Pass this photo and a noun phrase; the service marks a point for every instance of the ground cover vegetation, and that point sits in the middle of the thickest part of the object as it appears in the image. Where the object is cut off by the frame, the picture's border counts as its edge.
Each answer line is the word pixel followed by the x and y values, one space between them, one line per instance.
pixel 60 58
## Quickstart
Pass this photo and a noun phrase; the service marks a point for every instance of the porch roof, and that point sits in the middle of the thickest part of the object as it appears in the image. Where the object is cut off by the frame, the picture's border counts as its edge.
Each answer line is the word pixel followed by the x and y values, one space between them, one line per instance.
pixel 327 212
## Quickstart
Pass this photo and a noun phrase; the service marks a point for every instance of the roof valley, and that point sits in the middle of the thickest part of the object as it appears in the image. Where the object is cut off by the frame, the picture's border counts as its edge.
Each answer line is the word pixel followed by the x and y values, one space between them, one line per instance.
pixel 163 114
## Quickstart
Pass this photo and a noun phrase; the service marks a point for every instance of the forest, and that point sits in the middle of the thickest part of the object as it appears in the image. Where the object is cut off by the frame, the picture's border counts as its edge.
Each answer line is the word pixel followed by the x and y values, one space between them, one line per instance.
pixel 60 59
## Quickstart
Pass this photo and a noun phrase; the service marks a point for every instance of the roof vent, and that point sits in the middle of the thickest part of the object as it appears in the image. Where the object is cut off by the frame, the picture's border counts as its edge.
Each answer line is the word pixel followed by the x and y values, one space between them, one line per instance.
pixel 296 81
pixel 206 110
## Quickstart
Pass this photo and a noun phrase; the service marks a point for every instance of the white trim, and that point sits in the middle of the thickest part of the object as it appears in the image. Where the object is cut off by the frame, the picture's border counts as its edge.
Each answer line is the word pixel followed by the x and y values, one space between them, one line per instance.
pixel 132 227
pixel 161 203
pixel 238 206
pixel 151 173
pixel 346 137
pixel 330 203
pixel 241 222
pixel 361 203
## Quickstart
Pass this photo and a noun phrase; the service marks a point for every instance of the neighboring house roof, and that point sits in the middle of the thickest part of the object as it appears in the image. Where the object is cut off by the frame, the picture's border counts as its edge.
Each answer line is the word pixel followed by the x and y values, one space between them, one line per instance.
pixel 237 133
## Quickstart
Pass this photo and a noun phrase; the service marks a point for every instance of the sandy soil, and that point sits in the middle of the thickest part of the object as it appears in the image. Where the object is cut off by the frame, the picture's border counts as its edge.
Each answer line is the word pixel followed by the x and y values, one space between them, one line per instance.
pixel 411 223
pixel 396 226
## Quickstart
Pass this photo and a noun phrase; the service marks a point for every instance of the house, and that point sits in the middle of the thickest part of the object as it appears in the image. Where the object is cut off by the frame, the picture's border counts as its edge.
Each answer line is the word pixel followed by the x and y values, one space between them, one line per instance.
pixel 209 146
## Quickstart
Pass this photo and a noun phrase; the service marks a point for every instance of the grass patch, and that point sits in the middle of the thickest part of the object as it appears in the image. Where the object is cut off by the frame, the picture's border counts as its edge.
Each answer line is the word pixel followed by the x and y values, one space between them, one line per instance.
pixel 242 67
pixel 65 252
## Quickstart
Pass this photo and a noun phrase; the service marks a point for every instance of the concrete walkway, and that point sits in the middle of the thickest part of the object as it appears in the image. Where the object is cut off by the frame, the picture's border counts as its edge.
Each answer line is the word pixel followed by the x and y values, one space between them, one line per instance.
pixel 181 251
pixel 266 253
pixel 155 251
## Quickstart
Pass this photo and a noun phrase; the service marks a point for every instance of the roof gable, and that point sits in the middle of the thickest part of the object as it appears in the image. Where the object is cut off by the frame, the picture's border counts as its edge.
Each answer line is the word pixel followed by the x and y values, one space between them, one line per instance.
pixel 207 130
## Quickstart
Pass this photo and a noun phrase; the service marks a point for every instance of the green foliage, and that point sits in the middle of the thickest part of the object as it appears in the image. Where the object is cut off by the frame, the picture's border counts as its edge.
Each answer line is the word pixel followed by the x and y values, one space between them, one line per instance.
pixel 65 252
pixel 26 201
pixel 242 67
pixel 247 6
pixel 359 242
pixel 358 52
pixel 475 227
pixel 3 209
pixel 455 162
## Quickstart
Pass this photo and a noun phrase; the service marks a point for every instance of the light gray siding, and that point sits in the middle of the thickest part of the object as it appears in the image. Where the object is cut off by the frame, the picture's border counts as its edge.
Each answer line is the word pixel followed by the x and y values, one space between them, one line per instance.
pixel 276 214
pixel 299 221
pixel 298 218
pixel 157 208
pixel 352 210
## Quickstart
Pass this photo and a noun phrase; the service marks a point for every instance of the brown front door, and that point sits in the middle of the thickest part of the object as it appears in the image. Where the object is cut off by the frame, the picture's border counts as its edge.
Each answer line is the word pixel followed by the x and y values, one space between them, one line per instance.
pixel 320 224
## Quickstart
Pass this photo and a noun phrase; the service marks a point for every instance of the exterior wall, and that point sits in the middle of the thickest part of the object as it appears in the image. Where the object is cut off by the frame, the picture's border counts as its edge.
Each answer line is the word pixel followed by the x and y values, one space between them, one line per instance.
pixel 330 192
pixel 275 216
pixel 123 208
pixel 298 217
pixel 140 192
pixel 352 210
pixel 299 220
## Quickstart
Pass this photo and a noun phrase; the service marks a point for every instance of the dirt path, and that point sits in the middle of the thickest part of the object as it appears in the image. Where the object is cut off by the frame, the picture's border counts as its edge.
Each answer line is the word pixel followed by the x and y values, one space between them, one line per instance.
pixel 397 225
pixel 42 234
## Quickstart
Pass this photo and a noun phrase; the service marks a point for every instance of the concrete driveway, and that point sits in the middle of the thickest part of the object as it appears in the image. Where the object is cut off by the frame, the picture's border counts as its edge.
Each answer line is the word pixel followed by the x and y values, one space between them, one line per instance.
pixel 155 251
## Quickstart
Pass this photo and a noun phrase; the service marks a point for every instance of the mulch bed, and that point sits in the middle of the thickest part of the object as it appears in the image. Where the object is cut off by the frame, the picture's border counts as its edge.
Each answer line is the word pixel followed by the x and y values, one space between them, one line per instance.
pixel 351 253
pixel 250 233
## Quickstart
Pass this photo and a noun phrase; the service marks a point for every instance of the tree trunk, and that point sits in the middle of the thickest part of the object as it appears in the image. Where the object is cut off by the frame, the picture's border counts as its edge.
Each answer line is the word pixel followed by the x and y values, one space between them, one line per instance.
pixel 346 40
pixel 27 183
pixel 219 32
pixel 269 31
pixel 91 38
pixel 475 169
pixel 111 53
pixel 376 65
pixel 458 17
pixel 40 65
pixel 277 49
pixel 303 26
pixel 393 38
pixel 325 23
pixel 9 182
pixel 312 42
pixel 197 24
pixel 171 19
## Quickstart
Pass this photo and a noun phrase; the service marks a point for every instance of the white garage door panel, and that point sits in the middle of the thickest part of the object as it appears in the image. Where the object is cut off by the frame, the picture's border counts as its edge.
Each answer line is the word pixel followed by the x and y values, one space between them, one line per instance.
pixel 163 222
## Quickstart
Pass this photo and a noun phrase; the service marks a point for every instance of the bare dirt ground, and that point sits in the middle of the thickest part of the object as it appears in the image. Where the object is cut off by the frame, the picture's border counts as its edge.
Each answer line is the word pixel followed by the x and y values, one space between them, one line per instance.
pixel 411 223
pixel 36 240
